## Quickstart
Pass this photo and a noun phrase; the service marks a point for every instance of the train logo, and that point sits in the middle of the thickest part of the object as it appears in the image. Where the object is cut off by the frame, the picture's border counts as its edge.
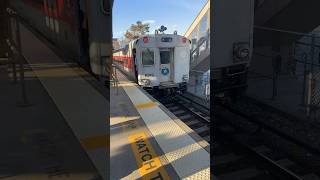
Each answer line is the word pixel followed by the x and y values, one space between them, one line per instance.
pixel 165 71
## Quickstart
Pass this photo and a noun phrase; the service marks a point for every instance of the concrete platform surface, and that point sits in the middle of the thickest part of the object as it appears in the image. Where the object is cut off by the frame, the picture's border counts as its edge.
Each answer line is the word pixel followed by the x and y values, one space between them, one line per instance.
pixel 36 142
pixel 63 134
pixel 83 107
pixel 135 124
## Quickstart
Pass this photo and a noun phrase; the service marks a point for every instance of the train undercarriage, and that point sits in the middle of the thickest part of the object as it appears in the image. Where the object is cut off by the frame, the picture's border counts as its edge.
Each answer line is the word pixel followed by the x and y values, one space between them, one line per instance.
pixel 228 86
pixel 167 91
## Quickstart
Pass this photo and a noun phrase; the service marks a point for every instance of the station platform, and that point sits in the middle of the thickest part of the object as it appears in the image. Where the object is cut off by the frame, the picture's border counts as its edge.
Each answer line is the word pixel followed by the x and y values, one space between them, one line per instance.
pixel 149 142
pixel 62 133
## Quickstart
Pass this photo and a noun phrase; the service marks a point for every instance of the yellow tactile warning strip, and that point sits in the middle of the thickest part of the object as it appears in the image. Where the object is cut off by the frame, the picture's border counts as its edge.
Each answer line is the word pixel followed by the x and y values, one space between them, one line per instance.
pixel 95 142
pixel 189 158
pixel 145 105
pixel 149 164
pixel 123 119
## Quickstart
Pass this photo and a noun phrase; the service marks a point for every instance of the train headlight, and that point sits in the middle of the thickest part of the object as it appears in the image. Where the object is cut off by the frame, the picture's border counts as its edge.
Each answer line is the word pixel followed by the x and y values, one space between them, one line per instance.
pixel 146 82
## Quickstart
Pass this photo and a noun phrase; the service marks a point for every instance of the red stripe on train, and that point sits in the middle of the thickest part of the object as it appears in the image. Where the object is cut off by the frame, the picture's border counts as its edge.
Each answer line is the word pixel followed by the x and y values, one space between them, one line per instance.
pixel 122 57
pixel 128 64
pixel 57 12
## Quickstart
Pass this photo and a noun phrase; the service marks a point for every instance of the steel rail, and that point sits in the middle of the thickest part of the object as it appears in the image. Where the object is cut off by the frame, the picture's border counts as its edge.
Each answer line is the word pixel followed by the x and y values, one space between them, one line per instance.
pixel 276 170
pixel 253 119
pixel 193 112
pixel 194 102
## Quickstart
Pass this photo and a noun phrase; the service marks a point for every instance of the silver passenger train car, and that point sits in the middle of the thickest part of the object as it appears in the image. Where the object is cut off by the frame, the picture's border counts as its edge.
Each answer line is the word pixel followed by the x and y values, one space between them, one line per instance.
pixel 156 62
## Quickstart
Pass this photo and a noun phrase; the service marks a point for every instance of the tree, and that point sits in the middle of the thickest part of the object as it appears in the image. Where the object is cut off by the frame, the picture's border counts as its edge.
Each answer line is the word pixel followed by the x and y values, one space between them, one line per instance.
pixel 136 30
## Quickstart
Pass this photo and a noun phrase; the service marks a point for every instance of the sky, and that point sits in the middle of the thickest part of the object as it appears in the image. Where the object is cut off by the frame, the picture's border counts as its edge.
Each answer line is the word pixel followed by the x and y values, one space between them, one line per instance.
pixel 174 14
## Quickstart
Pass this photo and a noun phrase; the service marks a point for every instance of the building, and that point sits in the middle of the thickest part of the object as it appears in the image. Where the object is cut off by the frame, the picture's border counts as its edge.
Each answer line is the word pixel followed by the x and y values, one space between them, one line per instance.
pixel 199 34
pixel 115 43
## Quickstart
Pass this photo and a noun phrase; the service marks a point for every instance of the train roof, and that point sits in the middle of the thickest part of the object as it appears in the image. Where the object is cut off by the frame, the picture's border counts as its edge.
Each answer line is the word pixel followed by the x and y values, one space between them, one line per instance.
pixel 149 36
pixel 157 36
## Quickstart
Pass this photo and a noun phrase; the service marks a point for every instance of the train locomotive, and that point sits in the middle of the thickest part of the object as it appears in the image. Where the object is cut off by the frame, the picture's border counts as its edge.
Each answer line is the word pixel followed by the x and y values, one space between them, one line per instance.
pixel 158 62
pixel 233 47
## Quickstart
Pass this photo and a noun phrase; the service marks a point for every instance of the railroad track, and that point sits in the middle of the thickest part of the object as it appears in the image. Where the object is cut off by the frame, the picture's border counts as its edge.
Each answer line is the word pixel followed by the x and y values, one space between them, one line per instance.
pixel 241 150
pixel 238 154
pixel 193 114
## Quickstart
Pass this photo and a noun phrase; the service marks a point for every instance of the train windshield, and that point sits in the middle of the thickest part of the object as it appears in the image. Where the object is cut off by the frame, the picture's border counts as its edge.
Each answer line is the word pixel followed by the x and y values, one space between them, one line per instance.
pixel 148 57
pixel 165 57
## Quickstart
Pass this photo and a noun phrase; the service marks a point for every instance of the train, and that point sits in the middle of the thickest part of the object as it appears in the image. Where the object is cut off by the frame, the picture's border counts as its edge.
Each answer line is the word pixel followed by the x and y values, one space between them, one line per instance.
pixel 227 61
pixel 232 47
pixel 158 62
pixel 73 28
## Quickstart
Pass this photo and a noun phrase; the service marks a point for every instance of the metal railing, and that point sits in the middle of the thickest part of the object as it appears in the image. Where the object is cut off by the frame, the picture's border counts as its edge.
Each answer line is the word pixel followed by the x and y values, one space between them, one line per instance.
pixel 301 63
pixel 195 53
pixel 15 54
pixel 305 53
pixel 114 78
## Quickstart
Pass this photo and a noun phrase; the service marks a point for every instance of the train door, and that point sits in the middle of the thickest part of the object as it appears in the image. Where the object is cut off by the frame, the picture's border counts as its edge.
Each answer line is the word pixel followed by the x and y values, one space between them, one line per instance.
pixel 166 64
pixel 3 28
pixel 83 32
pixel 135 64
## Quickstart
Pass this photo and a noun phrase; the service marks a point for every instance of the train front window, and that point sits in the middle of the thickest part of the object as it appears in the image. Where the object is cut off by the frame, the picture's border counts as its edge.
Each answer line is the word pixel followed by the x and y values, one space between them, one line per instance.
pixel 148 57
pixel 165 57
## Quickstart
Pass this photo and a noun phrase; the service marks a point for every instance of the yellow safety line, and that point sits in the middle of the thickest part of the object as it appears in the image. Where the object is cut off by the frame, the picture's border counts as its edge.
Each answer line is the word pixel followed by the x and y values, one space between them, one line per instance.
pixel 95 142
pixel 145 105
pixel 149 164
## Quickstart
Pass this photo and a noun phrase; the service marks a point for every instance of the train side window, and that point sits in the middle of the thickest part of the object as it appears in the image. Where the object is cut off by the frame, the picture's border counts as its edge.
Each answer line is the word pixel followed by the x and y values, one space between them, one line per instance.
pixel 148 58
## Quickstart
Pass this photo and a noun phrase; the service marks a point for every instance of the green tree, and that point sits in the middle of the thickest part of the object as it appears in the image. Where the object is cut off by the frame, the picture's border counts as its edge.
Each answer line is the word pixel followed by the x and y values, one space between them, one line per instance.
pixel 136 30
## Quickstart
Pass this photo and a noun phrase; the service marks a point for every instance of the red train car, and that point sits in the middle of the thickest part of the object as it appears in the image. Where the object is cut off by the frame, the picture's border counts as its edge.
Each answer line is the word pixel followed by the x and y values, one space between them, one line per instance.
pixel 72 27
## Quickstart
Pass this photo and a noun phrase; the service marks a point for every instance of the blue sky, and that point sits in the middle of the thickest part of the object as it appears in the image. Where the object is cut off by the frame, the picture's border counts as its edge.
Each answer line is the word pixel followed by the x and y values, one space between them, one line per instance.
pixel 174 14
